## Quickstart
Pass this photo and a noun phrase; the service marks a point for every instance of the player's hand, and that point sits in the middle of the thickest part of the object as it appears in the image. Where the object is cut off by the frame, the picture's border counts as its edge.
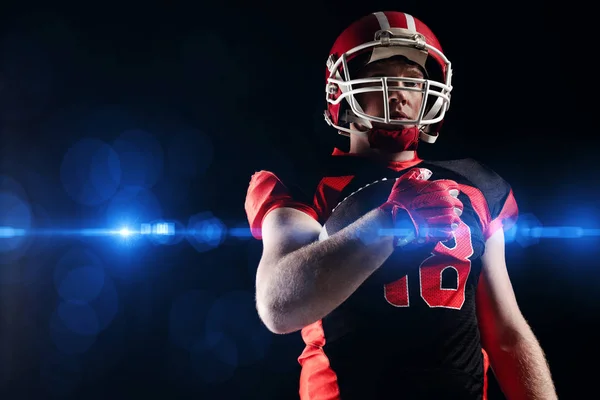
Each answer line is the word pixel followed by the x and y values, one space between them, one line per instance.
pixel 432 207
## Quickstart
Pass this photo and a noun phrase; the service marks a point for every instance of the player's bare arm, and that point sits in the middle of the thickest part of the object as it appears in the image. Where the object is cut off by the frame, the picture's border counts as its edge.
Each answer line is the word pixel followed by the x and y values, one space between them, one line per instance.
pixel 516 357
pixel 301 279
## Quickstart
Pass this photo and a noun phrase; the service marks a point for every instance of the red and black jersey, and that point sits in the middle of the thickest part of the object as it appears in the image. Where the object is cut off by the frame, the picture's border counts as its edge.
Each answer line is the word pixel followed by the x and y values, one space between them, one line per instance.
pixel 411 329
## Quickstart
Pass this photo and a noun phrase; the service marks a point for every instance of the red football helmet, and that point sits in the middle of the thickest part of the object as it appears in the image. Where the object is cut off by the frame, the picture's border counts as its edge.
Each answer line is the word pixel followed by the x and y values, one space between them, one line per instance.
pixel 375 37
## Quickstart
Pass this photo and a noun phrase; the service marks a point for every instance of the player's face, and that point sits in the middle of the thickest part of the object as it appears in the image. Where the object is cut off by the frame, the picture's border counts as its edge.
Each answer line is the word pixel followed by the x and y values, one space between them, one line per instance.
pixel 404 104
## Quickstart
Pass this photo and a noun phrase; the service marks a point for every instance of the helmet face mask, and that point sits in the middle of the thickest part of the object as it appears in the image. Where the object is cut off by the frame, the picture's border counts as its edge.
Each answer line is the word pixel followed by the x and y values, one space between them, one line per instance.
pixel 381 36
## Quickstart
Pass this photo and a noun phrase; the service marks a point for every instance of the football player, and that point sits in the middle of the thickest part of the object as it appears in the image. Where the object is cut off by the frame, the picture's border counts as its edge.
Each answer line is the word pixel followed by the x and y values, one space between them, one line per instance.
pixel 415 314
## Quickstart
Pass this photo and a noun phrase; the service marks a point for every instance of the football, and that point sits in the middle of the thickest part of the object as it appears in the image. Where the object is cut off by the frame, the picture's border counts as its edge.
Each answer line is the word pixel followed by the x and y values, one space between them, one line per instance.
pixel 357 204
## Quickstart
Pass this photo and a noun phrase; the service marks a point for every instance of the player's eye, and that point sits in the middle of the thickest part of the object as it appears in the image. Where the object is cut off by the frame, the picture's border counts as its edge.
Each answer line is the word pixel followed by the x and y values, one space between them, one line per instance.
pixel 412 84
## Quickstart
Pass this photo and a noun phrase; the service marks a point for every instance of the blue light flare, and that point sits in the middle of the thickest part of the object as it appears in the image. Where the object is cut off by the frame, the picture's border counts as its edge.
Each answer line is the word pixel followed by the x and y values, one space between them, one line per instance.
pixel 215 231
pixel 157 229
pixel 9 232
pixel 204 231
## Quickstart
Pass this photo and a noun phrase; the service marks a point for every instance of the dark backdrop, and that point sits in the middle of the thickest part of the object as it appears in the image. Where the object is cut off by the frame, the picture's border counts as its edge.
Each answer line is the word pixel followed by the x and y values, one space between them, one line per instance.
pixel 118 115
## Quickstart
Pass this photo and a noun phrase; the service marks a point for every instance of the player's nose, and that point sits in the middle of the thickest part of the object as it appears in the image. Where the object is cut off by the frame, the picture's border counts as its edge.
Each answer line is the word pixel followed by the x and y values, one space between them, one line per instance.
pixel 396 95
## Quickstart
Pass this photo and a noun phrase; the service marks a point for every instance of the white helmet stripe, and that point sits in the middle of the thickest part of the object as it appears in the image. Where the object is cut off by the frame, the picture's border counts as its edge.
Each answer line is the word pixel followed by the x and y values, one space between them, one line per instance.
pixel 410 23
pixel 383 21
pixel 384 24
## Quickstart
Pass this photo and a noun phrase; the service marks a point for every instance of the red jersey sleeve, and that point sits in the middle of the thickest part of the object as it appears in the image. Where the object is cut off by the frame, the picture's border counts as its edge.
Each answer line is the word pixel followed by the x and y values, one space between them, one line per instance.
pixel 491 196
pixel 504 215
pixel 267 192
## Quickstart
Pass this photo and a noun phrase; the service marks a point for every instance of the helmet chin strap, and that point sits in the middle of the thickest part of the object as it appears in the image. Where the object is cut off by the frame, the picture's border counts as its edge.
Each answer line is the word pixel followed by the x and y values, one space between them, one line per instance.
pixel 394 141
pixel 403 138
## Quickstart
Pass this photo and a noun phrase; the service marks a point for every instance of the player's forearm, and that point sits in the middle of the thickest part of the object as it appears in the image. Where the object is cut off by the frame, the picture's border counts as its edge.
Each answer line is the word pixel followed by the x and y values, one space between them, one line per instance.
pixel 312 281
pixel 520 366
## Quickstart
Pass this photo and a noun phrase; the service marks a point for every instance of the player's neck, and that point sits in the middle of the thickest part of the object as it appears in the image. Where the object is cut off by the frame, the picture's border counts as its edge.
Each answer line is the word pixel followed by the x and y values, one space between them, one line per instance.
pixel 407 155
pixel 360 148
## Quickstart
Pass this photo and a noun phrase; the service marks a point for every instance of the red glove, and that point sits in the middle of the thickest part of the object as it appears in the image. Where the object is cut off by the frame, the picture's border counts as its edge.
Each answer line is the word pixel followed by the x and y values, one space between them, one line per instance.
pixel 432 206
